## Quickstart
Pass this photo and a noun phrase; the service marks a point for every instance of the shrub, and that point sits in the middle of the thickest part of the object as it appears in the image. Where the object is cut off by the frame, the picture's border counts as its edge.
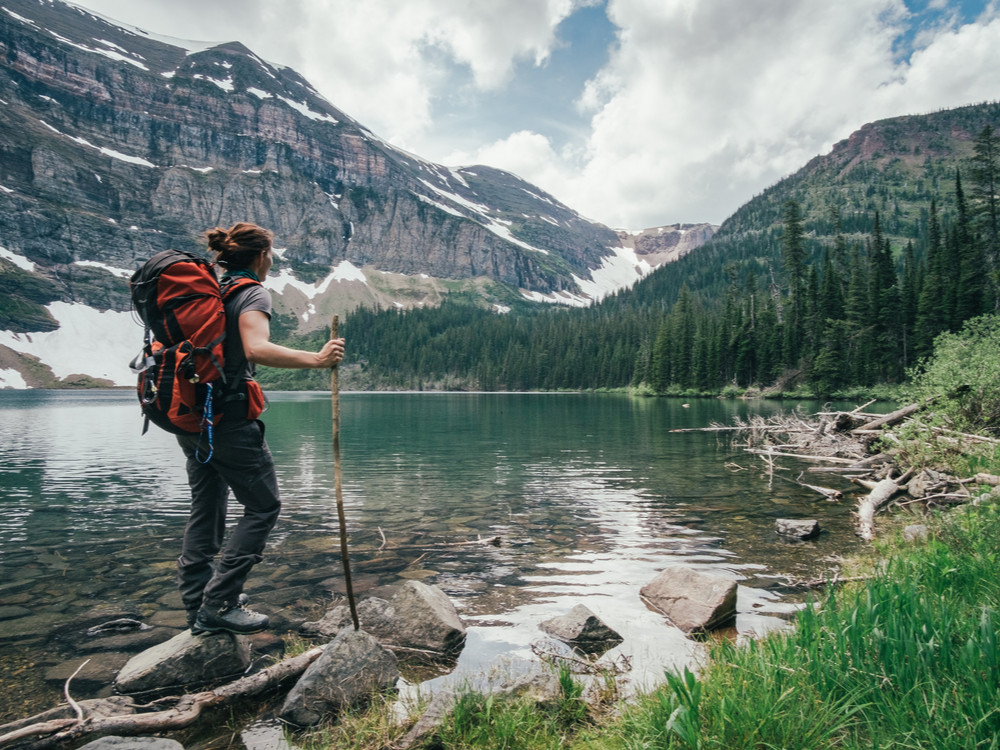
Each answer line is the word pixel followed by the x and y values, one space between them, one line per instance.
pixel 963 376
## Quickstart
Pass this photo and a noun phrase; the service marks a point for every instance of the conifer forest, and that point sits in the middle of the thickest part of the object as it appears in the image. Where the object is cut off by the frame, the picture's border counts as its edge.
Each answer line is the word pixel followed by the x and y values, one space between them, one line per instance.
pixel 817 285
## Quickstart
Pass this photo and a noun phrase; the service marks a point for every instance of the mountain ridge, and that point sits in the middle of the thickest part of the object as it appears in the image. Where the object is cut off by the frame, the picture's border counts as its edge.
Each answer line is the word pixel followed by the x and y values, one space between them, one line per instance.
pixel 115 143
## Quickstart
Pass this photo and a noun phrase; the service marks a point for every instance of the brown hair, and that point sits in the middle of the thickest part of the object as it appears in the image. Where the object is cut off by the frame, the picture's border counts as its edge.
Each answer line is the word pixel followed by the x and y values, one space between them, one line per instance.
pixel 237 247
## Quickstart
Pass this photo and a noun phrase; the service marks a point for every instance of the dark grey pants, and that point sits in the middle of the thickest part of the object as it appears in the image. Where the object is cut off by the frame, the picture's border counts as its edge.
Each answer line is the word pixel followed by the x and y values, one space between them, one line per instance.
pixel 242 462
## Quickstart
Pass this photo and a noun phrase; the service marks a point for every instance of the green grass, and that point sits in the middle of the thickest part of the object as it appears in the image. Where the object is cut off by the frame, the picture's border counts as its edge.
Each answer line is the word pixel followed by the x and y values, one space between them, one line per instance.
pixel 908 660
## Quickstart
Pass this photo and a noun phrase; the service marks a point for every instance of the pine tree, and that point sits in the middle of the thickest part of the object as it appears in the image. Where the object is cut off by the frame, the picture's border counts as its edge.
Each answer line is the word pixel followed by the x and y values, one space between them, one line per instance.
pixel 932 317
pixel 970 295
pixel 793 253
pixel 985 192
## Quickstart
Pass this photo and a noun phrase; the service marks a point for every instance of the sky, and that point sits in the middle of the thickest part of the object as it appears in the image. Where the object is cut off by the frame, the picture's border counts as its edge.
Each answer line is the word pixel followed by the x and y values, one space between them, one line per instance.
pixel 635 113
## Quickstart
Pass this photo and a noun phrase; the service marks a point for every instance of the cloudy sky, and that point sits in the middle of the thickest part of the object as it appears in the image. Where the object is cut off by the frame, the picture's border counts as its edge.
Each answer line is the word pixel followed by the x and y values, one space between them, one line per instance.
pixel 636 113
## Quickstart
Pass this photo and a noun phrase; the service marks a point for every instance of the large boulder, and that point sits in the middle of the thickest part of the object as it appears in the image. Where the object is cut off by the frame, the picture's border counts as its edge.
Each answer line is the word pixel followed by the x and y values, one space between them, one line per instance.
pixel 417 616
pixel 185 660
pixel 696 601
pixel 583 630
pixel 352 668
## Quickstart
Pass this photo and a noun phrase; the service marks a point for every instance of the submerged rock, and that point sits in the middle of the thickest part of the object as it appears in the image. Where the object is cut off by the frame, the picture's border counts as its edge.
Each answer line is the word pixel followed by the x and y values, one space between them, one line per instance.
pixel 582 629
pixel 694 600
pixel 352 669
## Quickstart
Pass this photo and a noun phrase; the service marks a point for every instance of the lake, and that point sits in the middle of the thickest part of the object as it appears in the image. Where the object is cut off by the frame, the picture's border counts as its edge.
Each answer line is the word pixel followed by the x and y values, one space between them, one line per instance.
pixel 590 494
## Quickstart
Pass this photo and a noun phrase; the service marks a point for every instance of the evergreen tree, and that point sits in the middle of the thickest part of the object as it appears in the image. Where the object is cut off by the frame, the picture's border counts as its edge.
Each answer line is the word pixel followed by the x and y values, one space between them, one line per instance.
pixel 793 253
pixel 985 192
pixel 932 317
pixel 970 294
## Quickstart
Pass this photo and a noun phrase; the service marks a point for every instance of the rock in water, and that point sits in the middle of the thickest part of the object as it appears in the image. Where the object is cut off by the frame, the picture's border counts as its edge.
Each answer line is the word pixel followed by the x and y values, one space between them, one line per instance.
pixel 582 629
pixel 696 601
pixel 184 660
pixel 350 671
pixel 797 529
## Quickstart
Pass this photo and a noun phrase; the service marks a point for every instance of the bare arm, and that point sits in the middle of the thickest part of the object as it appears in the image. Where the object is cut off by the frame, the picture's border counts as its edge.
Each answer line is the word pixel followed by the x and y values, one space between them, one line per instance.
pixel 255 331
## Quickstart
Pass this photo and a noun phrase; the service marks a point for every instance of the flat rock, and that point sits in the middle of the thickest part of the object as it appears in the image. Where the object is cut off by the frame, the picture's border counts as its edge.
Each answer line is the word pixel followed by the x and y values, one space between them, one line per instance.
pixel 352 669
pixel 185 660
pixel 694 600
pixel 138 640
pixel 797 529
pixel 12 611
pixel 95 672
pixel 582 629
pixel 128 743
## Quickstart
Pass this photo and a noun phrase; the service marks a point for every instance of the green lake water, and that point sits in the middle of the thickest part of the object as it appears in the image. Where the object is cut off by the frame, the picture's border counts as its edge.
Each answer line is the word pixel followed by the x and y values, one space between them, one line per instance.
pixel 590 494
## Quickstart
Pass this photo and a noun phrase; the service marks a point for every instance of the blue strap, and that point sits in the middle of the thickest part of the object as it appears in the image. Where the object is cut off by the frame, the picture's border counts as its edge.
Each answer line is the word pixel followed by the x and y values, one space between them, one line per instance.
pixel 206 426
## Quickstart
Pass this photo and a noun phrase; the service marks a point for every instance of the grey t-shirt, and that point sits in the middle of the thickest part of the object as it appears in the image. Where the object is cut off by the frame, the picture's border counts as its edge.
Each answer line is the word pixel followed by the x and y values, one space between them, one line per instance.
pixel 243 300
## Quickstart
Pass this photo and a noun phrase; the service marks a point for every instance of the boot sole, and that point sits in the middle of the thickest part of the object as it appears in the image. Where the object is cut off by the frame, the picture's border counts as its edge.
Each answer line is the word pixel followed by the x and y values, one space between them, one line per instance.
pixel 202 630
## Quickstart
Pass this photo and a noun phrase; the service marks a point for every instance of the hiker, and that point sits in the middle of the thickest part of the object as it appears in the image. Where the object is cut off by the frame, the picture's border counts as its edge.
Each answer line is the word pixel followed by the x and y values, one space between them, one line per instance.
pixel 240 459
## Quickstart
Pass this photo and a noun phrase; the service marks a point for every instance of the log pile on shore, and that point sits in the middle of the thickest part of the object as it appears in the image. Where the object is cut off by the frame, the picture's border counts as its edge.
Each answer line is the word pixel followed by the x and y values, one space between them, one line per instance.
pixel 858 446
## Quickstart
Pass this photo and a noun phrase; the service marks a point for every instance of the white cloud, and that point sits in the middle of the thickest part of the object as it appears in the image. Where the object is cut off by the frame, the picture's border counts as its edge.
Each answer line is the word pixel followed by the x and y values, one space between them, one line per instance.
pixel 705 104
pixel 702 104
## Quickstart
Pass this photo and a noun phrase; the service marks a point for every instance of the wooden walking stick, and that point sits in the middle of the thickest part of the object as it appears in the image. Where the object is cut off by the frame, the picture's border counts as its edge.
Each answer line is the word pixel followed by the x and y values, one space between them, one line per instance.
pixel 335 398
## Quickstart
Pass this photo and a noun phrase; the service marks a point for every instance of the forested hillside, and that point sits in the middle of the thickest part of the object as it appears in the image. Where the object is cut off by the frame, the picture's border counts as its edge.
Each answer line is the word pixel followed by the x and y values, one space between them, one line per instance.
pixel 840 275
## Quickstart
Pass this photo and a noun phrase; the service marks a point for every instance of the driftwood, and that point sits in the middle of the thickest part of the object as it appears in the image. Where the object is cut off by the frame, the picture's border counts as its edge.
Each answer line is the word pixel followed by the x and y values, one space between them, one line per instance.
pixel 881 493
pixel 185 712
pixel 840 442
pixel 890 419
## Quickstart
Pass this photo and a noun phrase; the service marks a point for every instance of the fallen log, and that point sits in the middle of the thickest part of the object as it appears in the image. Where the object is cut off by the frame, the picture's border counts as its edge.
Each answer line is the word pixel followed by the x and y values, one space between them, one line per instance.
pixel 891 418
pixel 830 459
pixel 881 493
pixel 184 713
pixel 833 496
pixel 991 479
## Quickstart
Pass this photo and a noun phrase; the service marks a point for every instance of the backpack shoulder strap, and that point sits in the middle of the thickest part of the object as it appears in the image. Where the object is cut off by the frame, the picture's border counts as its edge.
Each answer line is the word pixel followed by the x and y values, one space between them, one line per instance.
pixel 231 285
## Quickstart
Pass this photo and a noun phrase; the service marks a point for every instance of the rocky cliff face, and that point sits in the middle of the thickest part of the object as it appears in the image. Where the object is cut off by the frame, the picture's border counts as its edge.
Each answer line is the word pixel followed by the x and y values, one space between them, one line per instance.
pixel 115 145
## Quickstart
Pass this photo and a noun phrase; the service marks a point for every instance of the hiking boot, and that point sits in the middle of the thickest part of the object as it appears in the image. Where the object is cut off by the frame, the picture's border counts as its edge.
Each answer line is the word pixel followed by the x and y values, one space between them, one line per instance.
pixel 192 614
pixel 236 619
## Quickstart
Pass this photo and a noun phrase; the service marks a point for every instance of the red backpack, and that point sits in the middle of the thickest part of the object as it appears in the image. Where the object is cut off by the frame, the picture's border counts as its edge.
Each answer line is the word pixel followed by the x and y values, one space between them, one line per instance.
pixel 182 384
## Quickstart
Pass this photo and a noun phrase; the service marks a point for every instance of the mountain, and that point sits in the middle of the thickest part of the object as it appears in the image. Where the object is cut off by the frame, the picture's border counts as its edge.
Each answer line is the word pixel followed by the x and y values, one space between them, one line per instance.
pixel 116 143
pixel 892 168
pixel 884 256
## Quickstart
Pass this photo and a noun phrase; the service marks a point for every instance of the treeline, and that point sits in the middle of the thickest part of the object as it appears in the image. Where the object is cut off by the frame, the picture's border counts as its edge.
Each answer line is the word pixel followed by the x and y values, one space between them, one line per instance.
pixel 858 314
pixel 802 303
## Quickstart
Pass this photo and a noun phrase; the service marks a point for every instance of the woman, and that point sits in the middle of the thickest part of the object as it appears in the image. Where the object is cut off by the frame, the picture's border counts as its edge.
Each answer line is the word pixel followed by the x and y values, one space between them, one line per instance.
pixel 240 459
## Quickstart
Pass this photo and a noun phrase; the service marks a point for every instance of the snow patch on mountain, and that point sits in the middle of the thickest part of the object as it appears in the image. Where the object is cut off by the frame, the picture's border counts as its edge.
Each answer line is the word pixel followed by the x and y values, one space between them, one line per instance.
pixel 106 151
pixel 18 260
pixel 12 379
pixel 344 271
pixel 88 341
pixel 122 273
pixel 303 109
pixel 618 271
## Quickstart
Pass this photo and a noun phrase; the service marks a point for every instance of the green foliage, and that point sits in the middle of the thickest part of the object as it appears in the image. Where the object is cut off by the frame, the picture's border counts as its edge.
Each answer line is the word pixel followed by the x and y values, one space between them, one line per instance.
pixel 499 722
pixel 963 376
